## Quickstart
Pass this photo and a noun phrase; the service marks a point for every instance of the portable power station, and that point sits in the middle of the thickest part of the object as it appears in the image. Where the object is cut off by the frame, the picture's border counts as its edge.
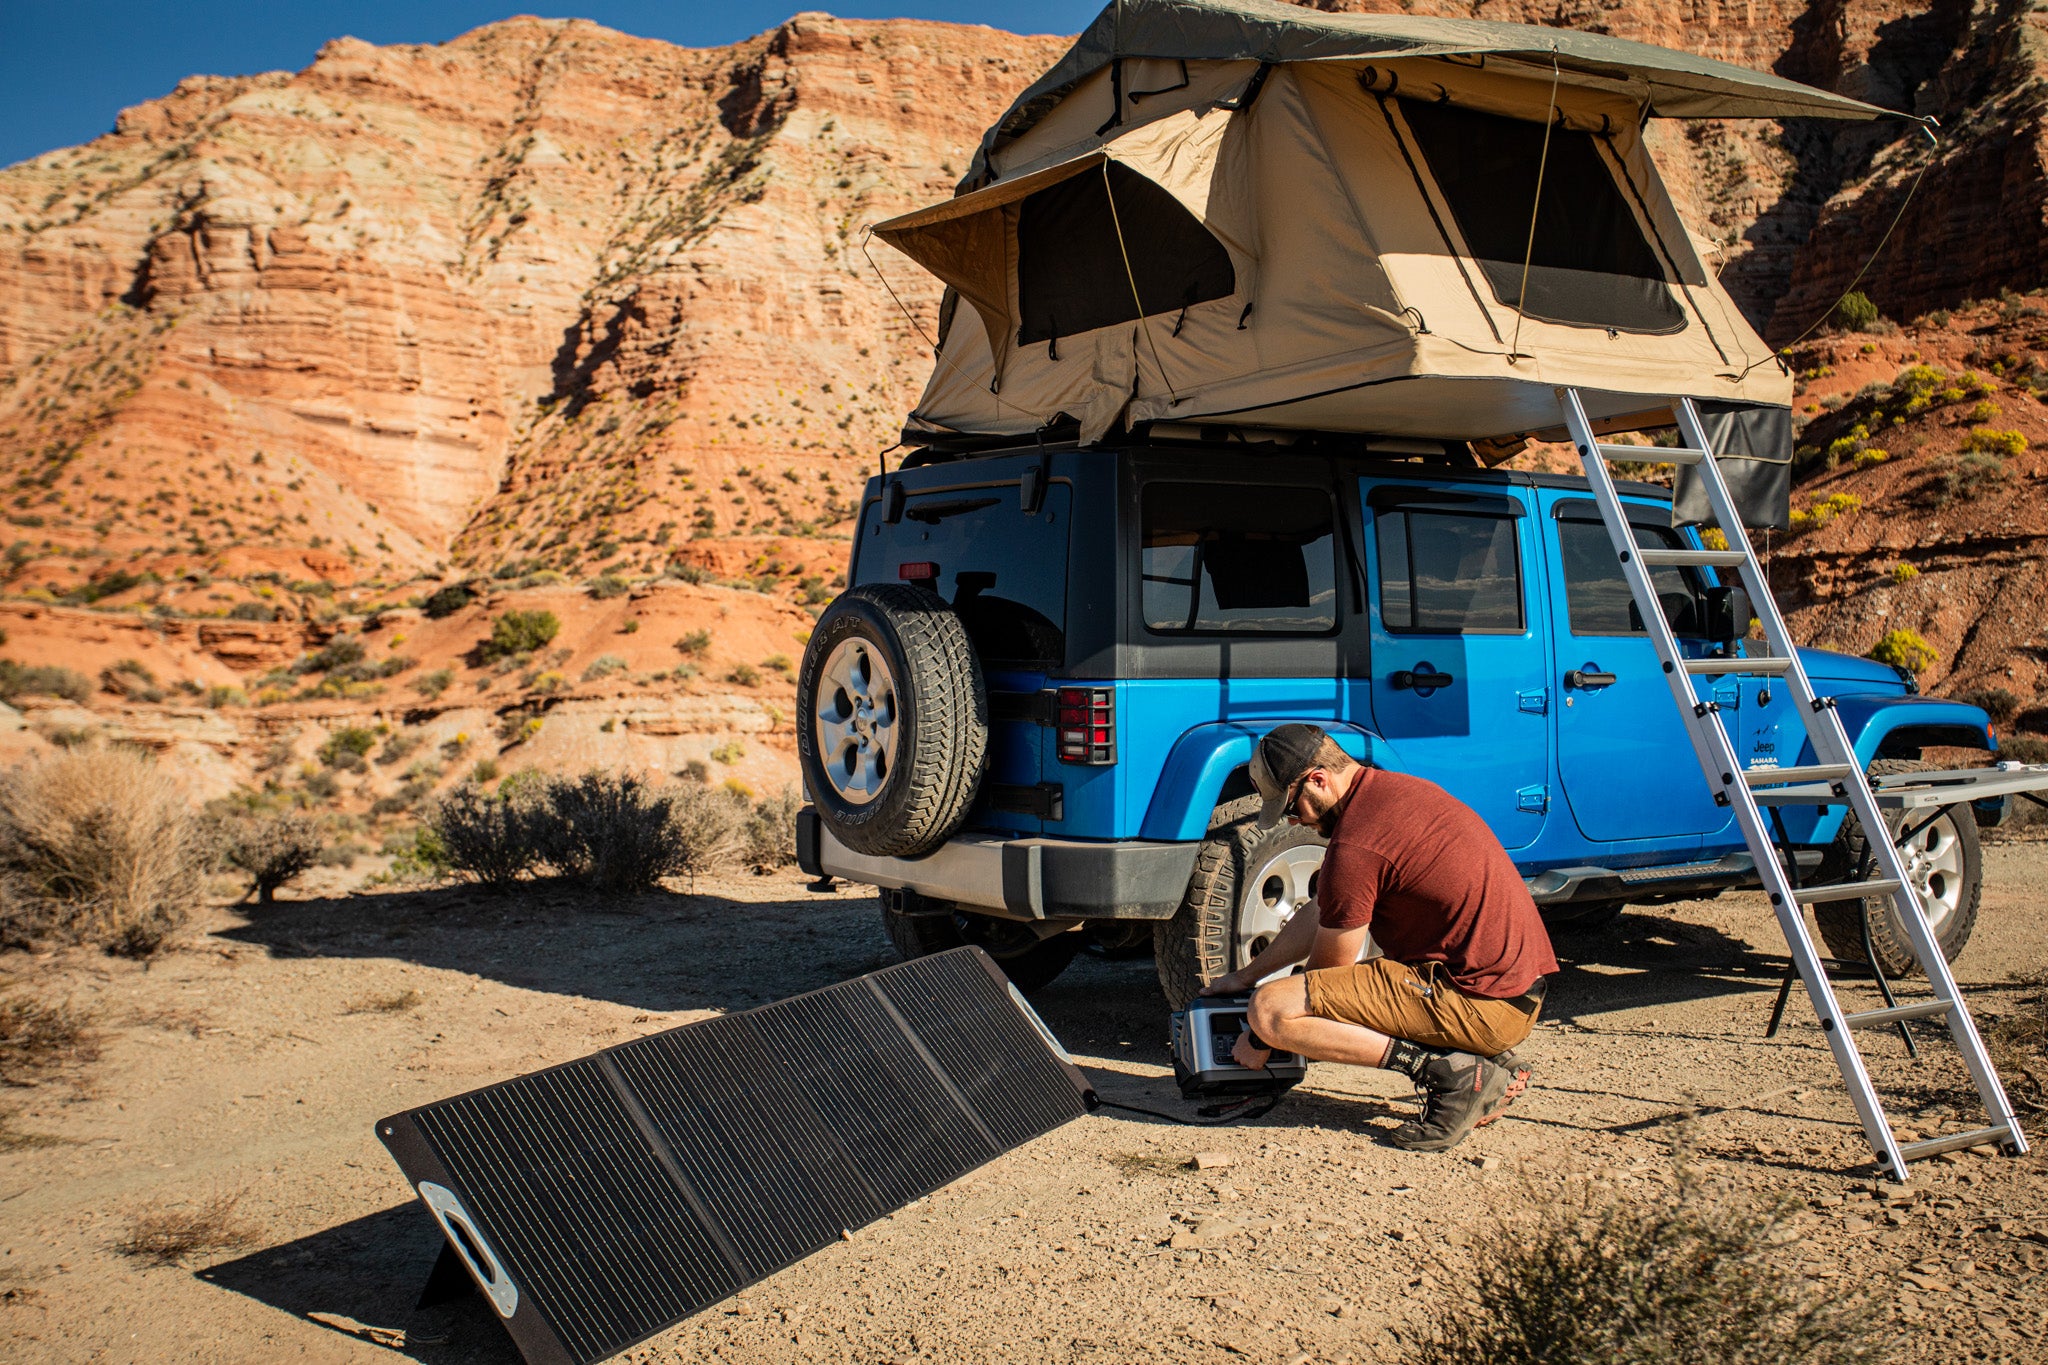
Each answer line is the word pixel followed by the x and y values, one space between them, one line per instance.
pixel 1204 1034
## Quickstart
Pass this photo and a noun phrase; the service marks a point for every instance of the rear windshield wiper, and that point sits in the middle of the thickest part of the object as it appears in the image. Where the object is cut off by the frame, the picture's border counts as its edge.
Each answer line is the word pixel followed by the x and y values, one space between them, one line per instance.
pixel 931 512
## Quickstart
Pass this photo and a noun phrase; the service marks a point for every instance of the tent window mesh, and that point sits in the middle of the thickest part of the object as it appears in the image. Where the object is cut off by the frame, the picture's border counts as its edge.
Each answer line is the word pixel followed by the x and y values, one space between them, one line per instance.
pixel 1071 273
pixel 1591 264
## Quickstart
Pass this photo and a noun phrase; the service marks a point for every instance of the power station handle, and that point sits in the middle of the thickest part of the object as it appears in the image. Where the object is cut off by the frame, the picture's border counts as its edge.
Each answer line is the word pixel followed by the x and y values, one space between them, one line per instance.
pixel 1580 677
pixel 1407 678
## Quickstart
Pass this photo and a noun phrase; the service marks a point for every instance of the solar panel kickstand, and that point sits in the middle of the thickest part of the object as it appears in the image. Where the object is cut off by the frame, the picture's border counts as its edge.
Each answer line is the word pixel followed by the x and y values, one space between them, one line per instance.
pixel 447 1281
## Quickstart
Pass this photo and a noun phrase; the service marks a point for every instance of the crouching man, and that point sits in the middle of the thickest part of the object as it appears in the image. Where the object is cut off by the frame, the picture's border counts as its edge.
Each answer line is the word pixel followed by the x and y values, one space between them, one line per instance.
pixel 1415 870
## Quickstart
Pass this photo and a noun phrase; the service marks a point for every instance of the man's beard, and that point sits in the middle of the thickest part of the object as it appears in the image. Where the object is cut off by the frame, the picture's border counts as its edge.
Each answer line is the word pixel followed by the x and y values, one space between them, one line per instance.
pixel 1326 823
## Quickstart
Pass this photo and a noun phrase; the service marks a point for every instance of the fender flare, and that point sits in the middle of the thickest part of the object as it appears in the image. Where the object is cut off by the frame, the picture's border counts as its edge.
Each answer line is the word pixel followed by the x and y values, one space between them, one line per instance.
pixel 1203 759
pixel 1875 724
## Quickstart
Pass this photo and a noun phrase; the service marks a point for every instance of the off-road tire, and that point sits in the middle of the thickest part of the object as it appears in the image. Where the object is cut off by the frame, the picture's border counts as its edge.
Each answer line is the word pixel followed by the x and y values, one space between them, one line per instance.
pixel 1195 946
pixel 1840 921
pixel 942 712
pixel 920 928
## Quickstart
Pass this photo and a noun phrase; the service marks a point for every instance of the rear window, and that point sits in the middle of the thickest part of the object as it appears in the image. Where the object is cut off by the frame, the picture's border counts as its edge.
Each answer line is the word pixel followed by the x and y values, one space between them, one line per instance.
pixel 1005 573
pixel 1591 264
pixel 1449 573
pixel 1238 559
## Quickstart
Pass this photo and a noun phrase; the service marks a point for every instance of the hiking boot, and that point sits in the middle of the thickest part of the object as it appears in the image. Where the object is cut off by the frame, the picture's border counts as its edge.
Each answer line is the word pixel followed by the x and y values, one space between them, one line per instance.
pixel 1459 1091
pixel 1519 1073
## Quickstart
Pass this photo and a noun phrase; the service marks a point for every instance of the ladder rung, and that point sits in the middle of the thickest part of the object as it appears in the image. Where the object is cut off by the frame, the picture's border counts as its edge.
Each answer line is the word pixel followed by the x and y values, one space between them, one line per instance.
pixel 1696 559
pixel 1651 454
pixel 1954 1142
pixel 1925 1009
pixel 1819 772
pixel 1846 891
pixel 1772 666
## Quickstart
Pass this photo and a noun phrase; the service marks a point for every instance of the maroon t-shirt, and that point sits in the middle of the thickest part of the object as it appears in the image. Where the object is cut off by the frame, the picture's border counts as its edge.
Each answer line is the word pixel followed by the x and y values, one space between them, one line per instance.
pixel 1426 873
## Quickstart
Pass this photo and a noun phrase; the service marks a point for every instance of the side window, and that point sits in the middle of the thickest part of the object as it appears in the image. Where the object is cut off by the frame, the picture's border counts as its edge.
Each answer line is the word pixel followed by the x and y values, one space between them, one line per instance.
pixel 1449 573
pixel 1238 559
pixel 1597 600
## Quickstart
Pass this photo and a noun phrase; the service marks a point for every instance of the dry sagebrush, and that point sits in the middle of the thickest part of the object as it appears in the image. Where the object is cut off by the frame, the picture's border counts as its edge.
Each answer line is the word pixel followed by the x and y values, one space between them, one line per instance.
pixel 1687 1274
pixel 97 845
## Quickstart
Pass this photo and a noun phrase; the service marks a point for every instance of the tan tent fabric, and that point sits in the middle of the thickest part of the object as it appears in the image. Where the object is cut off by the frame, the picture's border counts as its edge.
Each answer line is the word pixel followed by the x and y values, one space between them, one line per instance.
pixel 1356 300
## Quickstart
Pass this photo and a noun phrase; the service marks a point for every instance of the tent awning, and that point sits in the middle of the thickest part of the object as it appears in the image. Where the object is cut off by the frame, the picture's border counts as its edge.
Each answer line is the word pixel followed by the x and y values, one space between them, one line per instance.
pixel 1675 84
pixel 900 229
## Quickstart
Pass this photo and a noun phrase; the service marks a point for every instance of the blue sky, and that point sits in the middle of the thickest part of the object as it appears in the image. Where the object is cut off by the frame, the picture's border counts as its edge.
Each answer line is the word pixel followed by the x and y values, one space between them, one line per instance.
pixel 67 67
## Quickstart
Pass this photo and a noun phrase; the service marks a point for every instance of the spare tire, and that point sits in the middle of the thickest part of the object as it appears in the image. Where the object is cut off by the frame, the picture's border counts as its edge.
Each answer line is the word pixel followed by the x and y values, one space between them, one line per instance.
pixel 891 720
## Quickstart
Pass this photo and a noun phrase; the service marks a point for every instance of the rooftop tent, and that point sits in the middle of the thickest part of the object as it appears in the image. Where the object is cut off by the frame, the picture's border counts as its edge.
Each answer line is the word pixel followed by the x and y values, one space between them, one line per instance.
pixel 1261 215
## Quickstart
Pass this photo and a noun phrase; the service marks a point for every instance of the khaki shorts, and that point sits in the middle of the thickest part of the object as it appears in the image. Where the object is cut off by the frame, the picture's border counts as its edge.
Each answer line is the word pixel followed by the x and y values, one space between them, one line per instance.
pixel 1417 1003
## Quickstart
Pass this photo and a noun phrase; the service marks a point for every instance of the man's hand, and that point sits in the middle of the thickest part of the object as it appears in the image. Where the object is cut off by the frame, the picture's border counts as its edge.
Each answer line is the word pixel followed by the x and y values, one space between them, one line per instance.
pixel 1230 983
pixel 1244 1054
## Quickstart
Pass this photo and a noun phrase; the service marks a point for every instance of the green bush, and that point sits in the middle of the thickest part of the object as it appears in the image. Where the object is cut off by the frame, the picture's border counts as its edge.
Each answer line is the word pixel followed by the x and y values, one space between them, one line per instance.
pixel 432 685
pixel 2000 703
pixel 252 611
pixel 603 666
pixel 768 835
pixel 744 675
pixel 520 632
pixel 1687 1276
pixel 609 832
pixel 349 742
pixel 1904 649
pixel 447 601
pixel 606 586
pixel 340 652
pixel 1855 312
pixel 44 680
pixel 695 644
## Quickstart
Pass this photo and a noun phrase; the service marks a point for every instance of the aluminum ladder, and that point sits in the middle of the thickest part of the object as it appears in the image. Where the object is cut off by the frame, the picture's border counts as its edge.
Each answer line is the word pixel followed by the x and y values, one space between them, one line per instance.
pixel 1834 778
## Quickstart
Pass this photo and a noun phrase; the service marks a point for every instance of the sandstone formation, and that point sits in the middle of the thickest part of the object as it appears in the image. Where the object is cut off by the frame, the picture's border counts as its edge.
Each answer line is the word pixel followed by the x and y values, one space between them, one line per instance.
pixel 281 354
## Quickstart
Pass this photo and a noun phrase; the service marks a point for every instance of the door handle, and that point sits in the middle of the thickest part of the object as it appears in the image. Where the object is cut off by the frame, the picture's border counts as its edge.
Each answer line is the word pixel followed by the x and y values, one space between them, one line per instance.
pixel 1582 677
pixel 1423 679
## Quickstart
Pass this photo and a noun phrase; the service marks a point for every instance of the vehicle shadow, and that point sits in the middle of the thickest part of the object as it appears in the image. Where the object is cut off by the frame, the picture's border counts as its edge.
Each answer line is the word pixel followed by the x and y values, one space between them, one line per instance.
pixel 658 951
pixel 361 1279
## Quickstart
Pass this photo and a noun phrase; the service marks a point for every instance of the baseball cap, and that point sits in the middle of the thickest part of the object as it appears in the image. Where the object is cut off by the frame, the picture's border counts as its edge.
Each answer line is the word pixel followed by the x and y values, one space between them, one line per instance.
pixel 1278 761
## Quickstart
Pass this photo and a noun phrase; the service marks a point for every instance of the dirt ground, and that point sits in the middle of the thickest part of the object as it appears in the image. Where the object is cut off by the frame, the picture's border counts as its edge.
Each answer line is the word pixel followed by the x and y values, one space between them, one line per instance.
pixel 254 1058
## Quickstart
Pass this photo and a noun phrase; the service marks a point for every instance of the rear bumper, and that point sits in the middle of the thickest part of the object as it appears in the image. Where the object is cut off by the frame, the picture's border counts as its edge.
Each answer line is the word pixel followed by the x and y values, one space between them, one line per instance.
pixel 1019 878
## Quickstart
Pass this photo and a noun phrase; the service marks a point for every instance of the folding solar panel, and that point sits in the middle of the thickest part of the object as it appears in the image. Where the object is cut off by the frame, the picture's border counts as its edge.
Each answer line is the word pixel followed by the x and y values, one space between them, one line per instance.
pixel 600 1201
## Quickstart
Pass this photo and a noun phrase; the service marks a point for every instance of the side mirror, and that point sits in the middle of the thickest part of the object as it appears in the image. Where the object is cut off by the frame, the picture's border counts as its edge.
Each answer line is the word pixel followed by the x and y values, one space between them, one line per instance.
pixel 1728 613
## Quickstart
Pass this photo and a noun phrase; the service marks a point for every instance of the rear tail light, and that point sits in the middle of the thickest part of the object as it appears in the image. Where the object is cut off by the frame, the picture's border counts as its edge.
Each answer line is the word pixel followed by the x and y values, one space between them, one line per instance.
pixel 1087 724
pixel 918 571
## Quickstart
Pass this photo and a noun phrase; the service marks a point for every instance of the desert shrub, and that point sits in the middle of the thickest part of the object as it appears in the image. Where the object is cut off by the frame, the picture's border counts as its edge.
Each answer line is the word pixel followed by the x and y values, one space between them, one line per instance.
pixel 732 751
pixel 38 1038
pixel 97 845
pixel 485 837
pixel 778 663
pixel 398 746
pixel 548 682
pixel 42 680
pixel 2018 1043
pixel 432 685
pixel 1969 474
pixel 346 746
pixel 166 1236
pixel 447 601
pixel 1999 703
pixel 1904 649
pixel 613 833
pixel 606 586
pixel 1904 573
pixel 2023 749
pixel 696 770
pixel 340 652
pixel 768 836
pixel 745 675
pixel 520 632
pixel 252 611
pixel 603 666
pixel 1691 1277
pixel 1992 441
pixel 486 770
pixel 709 824
pixel 221 694
pixel 696 644
pixel 1821 511
pixel 1855 312
pixel 272 850
pixel 632 626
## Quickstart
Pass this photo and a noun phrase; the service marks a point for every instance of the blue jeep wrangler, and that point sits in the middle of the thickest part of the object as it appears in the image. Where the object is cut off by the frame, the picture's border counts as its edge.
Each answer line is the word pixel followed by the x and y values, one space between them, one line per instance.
pixel 1028 718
